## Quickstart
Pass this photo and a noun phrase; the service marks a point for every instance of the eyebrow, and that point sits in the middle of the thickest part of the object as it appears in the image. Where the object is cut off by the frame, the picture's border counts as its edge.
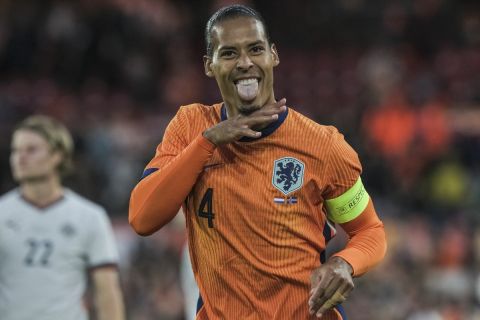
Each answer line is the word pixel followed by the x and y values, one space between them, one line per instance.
pixel 256 43
pixel 227 48
pixel 249 45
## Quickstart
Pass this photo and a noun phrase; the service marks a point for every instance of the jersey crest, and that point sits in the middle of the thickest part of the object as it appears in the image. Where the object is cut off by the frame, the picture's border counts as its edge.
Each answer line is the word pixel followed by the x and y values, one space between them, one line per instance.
pixel 288 174
pixel 68 230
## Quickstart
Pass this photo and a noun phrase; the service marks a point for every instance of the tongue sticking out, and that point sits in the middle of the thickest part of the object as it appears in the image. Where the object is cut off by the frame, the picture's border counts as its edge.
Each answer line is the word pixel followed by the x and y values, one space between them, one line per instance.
pixel 247 89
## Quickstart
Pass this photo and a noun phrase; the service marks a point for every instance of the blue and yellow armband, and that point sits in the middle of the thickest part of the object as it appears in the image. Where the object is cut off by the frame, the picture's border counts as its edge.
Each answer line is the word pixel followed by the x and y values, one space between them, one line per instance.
pixel 349 205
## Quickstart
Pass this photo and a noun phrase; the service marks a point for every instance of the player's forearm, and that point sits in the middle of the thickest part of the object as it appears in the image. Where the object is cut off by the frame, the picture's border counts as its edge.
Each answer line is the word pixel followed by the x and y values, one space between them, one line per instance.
pixel 108 296
pixel 365 250
pixel 367 245
pixel 156 199
pixel 110 306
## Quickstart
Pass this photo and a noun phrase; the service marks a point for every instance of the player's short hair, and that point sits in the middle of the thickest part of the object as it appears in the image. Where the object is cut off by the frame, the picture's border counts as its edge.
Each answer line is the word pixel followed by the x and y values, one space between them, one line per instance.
pixel 230 12
pixel 56 135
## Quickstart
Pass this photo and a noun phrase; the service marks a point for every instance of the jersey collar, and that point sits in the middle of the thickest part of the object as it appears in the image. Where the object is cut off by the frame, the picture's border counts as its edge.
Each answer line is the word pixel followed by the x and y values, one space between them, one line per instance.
pixel 44 207
pixel 268 130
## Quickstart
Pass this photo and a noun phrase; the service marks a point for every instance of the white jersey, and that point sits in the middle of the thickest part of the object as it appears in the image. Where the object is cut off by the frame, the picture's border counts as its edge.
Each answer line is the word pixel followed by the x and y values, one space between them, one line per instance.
pixel 45 255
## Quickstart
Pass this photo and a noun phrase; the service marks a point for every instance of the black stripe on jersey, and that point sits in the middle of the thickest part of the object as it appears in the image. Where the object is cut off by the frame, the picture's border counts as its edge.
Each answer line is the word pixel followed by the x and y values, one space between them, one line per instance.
pixel 340 309
pixel 148 172
pixel 327 234
pixel 199 303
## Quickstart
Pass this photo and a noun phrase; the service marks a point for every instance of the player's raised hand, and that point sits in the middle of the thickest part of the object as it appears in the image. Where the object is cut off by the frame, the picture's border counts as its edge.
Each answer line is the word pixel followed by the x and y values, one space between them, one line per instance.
pixel 331 284
pixel 240 126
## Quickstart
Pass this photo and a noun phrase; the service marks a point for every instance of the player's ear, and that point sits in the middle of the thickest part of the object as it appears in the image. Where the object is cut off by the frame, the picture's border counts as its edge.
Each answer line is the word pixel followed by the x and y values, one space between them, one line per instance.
pixel 207 61
pixel 57 158
pixel 276 59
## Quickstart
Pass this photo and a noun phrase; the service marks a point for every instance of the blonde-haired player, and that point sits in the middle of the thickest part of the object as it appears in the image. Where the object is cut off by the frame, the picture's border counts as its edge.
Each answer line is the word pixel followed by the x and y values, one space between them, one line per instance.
pixel 50 237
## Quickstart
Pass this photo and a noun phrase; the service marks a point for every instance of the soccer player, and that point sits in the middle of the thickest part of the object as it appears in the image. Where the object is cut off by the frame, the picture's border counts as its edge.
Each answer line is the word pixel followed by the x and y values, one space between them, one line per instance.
pixel 262 187
pixel 50 237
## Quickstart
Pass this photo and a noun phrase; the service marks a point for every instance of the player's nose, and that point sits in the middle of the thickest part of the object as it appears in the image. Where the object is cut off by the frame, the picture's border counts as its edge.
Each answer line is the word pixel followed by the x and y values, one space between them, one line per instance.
pixel 244 62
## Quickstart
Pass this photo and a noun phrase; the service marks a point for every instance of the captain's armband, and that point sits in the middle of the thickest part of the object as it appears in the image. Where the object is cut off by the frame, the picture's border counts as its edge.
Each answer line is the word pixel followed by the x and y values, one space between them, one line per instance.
pixel 349 205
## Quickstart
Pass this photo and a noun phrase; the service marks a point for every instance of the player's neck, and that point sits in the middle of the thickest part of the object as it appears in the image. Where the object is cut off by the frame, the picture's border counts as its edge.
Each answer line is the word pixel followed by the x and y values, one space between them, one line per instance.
pixel 42 193
pixel 232 111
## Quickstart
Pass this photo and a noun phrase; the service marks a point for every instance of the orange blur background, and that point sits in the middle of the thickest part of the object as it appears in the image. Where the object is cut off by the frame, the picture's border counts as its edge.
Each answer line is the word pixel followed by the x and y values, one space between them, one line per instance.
pixel 401 80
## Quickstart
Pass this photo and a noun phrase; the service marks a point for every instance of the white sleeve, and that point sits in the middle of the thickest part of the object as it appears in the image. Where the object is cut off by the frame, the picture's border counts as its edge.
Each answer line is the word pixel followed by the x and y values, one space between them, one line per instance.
pixel 101 248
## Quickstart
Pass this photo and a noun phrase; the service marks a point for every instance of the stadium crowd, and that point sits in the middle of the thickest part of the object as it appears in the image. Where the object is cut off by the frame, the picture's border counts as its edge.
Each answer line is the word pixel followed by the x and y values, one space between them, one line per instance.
pixel 401 80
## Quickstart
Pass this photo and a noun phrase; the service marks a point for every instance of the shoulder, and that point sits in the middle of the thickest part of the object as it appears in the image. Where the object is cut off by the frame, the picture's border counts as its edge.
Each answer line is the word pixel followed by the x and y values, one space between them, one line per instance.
pixel 194 118
pixel 9 198
pixel 196 110
pixel 313 129
pixel 80 204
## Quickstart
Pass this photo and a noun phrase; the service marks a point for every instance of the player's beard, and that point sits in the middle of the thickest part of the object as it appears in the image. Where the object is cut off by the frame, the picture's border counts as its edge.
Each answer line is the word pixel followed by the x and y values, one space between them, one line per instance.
pixel 247 109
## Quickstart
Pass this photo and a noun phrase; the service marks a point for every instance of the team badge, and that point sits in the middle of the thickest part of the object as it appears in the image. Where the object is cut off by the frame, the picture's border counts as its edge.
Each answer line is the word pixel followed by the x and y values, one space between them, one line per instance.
pixel 68 230
pixel 288 174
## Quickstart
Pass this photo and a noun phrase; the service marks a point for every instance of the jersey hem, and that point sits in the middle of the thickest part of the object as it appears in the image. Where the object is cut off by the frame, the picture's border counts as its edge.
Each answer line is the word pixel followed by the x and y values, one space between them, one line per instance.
pixel 106 265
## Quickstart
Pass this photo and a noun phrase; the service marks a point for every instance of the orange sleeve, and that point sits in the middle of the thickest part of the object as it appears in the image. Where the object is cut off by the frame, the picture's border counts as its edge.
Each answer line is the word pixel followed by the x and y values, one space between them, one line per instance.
pixel 367 244
pixel 343 167
pixel 168 178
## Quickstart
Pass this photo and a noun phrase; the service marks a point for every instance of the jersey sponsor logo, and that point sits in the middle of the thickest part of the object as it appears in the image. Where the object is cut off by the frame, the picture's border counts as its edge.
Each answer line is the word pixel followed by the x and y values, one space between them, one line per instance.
pixel 288 174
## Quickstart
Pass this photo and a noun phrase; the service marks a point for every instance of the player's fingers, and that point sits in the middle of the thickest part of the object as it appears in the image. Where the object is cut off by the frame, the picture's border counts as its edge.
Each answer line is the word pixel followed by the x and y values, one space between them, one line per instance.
pixel 317 301
pixel 252 121
pixel 334 285
pixel 244 131
pixel 261 113
pixel 346 288
pixel 269 109
pixel 318 293
pixel 274 108
pixel 336 299
pixel 327 306
pixel 338 296
pixel 281 102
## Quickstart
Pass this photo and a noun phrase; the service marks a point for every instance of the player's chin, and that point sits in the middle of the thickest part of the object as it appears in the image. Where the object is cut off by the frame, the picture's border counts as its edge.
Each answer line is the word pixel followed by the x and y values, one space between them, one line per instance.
pixel 247 107
pixel 21 179
pixel 28 177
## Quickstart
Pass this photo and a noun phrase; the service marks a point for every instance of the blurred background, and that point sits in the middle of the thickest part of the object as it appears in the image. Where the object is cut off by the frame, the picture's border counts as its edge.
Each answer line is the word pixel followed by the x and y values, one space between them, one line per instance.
pixel 401 80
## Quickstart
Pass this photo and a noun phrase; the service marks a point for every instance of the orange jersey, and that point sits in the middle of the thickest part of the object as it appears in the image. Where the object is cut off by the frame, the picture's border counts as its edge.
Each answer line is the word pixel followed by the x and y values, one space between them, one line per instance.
pixel 255 214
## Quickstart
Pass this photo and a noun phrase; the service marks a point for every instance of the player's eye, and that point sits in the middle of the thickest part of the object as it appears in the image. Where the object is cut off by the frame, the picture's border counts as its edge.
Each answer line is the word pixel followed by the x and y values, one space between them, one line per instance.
pixel 32 149
pixel 257 49
pixel 227 54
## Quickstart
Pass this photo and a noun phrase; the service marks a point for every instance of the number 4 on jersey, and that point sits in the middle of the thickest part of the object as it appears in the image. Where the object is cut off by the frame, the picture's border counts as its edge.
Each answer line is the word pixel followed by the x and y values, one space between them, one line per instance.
pixel 207 204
